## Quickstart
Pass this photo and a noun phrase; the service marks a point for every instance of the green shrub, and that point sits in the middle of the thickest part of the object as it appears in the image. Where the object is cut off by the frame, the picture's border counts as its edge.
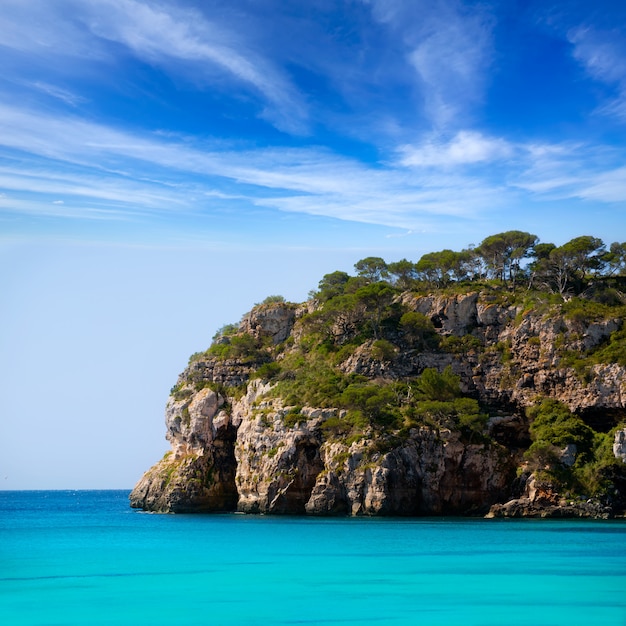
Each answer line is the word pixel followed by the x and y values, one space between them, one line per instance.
pixel 242 346
pixel 541 455
pixel 273 300
pixel 226 331
pixel 383 350
pixel 196 356
pixel 345 352
pixel 335 427
pixel 376 402
pixel 458 413
pixel 460 345
pixel 183 394
pixel 614 351
pixel 434 412
pixel 504 348
pixel 553 423
pixel 358 420
pixel 293 417
pixel 585 311
pixel 186 418
pixel 309 380
pixel 268 371
pixel 469 418
pixel 418 330
pixel 272 452
pixel 177 387
pixel 443 386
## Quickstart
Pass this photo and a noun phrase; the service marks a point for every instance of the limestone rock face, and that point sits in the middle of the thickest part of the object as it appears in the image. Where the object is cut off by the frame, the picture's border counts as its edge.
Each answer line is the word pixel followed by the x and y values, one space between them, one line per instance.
pixel 230 372
pixel 274 320
pixel 189 484
pixel 192 425
pixel 362 362
pixel 235 446
pixel 293 470
pixel 199 472
pixel 431 474
pixel 452 314
pixel 276 466
pixel 521 355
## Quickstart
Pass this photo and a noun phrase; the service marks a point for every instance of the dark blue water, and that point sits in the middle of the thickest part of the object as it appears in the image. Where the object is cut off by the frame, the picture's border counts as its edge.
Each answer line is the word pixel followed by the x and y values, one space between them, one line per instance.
pixel 86 558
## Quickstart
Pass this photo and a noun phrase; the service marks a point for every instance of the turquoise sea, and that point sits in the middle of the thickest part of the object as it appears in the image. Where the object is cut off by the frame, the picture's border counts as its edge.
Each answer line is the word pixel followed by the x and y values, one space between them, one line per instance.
pixel 84 557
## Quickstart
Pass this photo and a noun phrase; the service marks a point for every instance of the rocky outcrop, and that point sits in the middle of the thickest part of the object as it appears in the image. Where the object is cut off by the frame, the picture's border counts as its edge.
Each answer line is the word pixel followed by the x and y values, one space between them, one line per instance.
pixel 457 315
pixel 273 320
pixel 431 473
pixel 540 499
pixel 236 446
pixel 276 465
pixel 520 353
pixel 198 474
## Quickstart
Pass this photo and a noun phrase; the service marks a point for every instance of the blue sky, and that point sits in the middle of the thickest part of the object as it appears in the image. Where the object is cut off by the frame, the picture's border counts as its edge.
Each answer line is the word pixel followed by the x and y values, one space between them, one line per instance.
pixel 165 165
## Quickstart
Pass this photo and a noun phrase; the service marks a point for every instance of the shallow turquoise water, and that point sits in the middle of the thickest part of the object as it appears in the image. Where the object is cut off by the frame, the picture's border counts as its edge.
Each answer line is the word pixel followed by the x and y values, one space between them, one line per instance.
pixel 86 558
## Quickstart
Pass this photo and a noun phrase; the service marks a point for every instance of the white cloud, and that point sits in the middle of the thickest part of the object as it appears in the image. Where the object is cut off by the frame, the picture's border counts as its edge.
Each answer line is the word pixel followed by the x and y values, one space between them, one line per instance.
pixel 449 47
pixel 310 181
pixel 603 55
pixel 181 42
pixel 450 62
pixel 465 148
pixel 161 35
pixel 408 233
pixel 152 174
pixel 95 188
pixel 34 205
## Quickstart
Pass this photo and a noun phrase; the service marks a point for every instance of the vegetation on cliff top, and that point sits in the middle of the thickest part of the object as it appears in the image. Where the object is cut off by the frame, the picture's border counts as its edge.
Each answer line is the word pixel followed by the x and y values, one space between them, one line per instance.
pixel 582 281
pixel 513 258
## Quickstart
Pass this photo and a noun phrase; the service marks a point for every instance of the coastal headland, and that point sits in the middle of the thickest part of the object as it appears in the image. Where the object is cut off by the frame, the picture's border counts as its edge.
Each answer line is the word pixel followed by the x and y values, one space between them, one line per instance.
pixel 411 390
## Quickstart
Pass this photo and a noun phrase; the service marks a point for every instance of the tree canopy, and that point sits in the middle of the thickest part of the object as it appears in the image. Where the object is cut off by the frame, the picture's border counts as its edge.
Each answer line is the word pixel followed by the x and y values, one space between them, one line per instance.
pixel 513 259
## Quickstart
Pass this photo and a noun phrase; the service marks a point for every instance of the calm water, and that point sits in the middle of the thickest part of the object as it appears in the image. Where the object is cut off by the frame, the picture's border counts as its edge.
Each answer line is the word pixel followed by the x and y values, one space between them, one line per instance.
pixel 86 558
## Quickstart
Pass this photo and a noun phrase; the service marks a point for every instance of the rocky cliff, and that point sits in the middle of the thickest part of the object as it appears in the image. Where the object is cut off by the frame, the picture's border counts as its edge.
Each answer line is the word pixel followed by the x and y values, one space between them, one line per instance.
pixel 401 404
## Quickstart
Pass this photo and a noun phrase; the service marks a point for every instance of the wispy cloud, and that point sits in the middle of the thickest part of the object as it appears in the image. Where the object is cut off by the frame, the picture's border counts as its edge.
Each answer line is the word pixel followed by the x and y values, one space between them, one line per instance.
pixel 153 175
pixel 449 47
pixel 66 96
pixel 603 55
pixel 42 29
pixel 156 175
pixel 162 35
pixel 34 206
pixel 179 41
pixel 572 171
pixel 607 186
